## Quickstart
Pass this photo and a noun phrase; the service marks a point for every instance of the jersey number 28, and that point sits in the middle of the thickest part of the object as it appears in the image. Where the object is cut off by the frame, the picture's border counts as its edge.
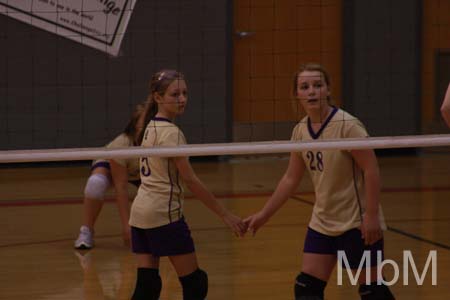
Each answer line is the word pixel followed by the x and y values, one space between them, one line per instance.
pixel 315 160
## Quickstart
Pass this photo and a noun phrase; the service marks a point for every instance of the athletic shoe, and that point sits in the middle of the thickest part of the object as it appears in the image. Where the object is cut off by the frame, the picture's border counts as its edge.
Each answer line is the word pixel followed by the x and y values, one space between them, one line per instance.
pixel 86 239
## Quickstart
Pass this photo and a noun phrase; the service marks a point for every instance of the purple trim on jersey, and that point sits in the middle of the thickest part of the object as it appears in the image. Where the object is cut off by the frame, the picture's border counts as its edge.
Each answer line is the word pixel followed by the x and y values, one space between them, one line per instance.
pixel 102 164
pixel 358 199
pixel 350 241
pixel 316 135
pixel 179 193
pixel 171 239
pixel 161 119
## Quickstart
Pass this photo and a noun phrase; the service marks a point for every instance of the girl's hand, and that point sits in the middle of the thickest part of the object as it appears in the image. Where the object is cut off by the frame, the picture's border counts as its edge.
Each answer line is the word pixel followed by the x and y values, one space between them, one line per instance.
pixel 370 229
pixel 126 236
pixel 235 223
pixel 254 222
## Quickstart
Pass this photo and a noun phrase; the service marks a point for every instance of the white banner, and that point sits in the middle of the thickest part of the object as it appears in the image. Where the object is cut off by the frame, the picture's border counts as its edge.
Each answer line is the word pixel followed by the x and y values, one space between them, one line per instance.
pixel 97 23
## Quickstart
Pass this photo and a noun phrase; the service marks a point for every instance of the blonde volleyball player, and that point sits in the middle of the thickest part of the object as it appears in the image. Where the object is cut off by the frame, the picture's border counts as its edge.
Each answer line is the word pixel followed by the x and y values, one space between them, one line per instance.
pixel 158 227
pixel 346 215
pixel 445 108
pixel 114 172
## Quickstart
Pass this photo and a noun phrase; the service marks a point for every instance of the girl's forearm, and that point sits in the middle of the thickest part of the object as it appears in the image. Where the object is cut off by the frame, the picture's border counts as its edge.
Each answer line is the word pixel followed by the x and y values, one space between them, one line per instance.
pixel 207 198
pixel 372 188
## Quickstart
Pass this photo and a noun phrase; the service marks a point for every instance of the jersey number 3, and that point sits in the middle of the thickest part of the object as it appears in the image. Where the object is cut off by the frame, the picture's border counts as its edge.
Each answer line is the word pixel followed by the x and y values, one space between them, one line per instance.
pixel 315 161
pixel 145 168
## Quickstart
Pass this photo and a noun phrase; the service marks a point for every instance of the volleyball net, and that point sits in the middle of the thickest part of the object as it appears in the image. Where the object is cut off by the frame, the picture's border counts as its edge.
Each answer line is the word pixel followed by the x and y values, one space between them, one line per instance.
pixel 64 95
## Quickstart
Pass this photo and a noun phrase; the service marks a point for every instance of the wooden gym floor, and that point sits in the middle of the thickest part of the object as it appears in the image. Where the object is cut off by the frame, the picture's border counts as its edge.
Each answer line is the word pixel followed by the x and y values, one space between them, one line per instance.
pixel 40 214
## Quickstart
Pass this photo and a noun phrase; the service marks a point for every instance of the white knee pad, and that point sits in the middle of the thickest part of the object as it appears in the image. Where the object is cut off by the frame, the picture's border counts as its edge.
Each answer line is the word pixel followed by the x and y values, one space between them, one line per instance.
pixel 96 186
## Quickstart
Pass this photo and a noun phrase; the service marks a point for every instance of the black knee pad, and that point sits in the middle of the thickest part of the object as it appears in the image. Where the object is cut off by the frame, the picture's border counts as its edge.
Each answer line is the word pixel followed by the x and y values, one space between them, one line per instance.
pixel 195 285
pixel 375 292
pixel 308 287
pixel 148 284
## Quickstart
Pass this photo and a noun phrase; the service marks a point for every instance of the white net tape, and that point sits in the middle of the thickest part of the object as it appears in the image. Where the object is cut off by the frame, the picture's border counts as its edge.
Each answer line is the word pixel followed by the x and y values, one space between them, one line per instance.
pixel 224 149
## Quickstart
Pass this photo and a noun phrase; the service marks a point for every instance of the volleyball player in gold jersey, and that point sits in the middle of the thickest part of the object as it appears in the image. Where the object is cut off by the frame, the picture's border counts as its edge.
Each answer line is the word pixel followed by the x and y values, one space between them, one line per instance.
pixel 158 226
pixel 347 215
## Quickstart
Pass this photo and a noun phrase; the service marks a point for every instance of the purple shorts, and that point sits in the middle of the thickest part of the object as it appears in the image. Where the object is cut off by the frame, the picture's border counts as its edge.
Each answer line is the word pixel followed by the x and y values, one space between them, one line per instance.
pixel 103 164
pixel 167 240
pixel 106 165
pixel 350 242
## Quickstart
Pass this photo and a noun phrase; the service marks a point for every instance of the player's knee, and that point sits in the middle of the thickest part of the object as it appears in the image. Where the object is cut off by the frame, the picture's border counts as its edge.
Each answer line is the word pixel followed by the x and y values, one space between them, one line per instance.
pixel 148 285
pixel 195 285
pixel 375 292
pixel 96 186
pixel 308 287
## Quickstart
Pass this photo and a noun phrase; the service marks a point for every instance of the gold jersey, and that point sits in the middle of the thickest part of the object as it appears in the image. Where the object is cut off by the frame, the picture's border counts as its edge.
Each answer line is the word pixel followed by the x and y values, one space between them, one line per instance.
pixel 338 181
pixel 159 200
pixel 131 164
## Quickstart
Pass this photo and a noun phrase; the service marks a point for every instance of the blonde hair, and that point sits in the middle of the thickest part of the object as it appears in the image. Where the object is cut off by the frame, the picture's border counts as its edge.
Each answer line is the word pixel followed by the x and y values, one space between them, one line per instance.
pixel 310 67
pixel 131 129
pixel 159 83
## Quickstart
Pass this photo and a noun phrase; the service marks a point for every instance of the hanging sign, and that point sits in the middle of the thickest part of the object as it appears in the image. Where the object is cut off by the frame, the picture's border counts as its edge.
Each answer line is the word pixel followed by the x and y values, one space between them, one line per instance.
pixel 96 23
